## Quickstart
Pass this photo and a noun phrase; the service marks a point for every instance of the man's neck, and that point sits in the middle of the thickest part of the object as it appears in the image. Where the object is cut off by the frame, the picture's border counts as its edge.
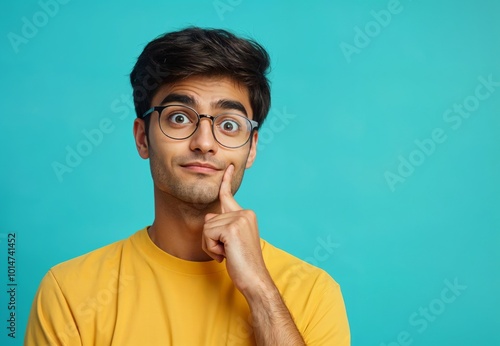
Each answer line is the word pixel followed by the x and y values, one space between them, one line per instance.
pixel 178 226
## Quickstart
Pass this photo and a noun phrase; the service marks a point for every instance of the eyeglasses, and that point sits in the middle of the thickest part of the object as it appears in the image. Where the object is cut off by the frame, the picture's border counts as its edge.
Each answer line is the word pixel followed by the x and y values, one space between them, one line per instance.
pixel 179 122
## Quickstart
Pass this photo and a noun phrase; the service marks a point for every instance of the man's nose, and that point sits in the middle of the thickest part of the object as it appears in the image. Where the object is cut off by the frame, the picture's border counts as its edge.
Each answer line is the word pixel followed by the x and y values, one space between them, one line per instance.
pixel 203 139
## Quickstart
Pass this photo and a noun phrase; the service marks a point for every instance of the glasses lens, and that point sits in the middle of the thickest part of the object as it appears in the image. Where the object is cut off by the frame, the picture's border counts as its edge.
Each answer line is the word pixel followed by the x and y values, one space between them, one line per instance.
pixel 232 130
pixel 178 122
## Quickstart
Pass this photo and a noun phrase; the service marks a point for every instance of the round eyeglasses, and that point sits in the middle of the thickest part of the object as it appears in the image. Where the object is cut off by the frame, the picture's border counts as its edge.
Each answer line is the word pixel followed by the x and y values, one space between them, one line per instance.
pixel 179 122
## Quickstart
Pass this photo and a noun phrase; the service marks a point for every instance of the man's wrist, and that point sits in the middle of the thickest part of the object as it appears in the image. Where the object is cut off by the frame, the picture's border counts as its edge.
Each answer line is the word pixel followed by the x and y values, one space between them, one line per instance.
pixel 272 322
pixel 262 292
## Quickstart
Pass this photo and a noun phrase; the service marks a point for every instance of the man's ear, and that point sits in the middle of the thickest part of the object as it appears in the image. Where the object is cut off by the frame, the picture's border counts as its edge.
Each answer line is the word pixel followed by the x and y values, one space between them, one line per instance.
pixel 141 140
pixel 253 149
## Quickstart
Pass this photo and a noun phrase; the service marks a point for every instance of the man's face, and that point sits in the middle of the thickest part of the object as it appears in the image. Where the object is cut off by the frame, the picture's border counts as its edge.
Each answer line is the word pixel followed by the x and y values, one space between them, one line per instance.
pixel 191 170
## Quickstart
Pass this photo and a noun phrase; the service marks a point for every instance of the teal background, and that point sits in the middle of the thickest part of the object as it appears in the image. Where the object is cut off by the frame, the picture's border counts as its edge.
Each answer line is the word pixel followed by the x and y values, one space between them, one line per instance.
pixel 321 171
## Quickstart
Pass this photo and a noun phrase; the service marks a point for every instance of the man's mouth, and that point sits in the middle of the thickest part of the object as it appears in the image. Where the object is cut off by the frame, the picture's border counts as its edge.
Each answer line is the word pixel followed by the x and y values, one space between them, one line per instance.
pixel 201 167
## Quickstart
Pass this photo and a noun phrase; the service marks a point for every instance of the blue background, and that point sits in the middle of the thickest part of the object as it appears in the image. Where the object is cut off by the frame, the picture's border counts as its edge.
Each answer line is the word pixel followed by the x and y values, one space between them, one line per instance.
pixel 322 170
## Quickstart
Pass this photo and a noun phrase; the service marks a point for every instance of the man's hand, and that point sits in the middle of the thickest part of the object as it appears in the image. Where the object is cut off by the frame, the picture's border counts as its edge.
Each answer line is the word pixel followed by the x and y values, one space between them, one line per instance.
pixel 234 235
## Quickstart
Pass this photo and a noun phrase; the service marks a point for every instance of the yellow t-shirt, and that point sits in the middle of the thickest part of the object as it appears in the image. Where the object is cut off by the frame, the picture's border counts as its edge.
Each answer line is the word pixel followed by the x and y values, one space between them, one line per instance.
pixel 133 293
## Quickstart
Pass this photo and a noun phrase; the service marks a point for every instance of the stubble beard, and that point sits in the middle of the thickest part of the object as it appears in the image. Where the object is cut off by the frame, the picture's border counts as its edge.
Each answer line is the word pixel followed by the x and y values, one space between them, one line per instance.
pixel 201 193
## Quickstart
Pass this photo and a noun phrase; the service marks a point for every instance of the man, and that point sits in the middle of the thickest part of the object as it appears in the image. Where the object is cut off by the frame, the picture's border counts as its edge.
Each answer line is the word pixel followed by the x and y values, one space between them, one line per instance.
pixel 200 274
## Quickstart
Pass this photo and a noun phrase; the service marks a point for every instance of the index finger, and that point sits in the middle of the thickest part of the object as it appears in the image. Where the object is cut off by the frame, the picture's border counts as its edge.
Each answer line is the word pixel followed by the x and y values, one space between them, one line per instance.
pixel 227 201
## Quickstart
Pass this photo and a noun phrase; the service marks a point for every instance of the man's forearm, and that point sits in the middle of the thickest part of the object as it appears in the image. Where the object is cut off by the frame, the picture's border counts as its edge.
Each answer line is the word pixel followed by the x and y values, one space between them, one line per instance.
pixel 272 322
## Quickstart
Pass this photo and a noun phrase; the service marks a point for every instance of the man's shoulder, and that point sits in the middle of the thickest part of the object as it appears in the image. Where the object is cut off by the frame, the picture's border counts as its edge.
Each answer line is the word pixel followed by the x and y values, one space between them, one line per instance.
pixel 290 269
pixel 105 257
pixel 312 296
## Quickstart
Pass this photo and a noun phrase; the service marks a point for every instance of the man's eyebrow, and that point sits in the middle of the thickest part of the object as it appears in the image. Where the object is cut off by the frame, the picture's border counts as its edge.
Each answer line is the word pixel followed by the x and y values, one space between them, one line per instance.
pixel 184 99
pixel 220 104
pixel 230 104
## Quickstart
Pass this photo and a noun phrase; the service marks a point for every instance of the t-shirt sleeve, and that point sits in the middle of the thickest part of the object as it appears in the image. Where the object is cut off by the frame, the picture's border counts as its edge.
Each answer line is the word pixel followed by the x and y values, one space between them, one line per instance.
pixel 328 324
pixel 51 321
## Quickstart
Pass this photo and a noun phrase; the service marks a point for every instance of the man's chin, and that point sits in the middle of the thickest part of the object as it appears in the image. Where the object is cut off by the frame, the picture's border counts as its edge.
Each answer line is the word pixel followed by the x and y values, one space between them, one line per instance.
pixel 199 196
pixel 201 202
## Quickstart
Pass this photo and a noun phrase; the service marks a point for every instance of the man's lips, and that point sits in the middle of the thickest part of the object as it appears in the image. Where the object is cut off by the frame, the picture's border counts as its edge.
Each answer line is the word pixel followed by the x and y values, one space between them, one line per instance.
pixel 201 167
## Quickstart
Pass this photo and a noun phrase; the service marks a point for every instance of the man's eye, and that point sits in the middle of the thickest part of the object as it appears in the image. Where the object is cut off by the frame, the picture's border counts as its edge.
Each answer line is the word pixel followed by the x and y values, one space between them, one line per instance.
pixel 229 126
pixel 179 118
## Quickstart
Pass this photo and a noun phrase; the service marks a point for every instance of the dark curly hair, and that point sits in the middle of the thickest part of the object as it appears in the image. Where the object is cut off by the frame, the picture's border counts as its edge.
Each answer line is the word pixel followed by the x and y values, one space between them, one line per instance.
pixel 202 52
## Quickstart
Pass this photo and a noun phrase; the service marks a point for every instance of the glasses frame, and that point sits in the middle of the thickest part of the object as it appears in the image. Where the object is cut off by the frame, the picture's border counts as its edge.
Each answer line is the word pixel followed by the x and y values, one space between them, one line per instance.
pixel 254 124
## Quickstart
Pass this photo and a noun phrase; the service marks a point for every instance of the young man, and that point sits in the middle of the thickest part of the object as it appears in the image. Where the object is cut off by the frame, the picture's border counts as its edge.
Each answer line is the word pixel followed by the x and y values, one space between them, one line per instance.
pixel 200 274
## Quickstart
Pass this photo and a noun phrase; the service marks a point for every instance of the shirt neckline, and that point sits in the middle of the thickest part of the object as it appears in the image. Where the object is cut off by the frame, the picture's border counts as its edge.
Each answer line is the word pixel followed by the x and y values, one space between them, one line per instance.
pixel 151 251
